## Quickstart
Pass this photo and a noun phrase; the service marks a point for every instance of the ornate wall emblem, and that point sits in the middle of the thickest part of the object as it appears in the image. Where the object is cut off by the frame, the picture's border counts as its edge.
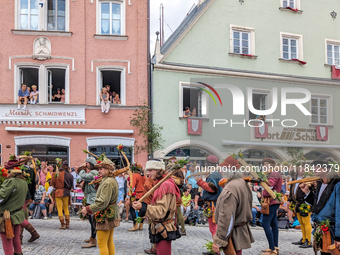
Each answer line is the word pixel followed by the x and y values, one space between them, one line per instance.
pixel 41 48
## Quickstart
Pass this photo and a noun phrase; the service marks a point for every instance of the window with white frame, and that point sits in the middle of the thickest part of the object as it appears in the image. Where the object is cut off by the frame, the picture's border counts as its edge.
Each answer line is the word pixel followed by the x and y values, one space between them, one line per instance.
pixel 288 3
pixel 113 79
pixel 291 46
pixel 294 4
pixel 319 109
pixel 111 18
pixel 333 54
pixel 242 40
pixel 50 82
pixel 194 100
pixel 54 14
pixel 260 102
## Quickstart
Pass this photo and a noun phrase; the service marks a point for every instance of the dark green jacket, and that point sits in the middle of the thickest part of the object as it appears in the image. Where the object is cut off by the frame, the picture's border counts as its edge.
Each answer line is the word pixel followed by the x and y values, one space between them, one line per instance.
pixel 12 197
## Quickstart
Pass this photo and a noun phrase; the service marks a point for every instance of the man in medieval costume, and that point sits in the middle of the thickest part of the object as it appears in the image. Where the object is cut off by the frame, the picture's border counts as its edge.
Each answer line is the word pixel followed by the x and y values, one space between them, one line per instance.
pixel 211 192
pixel 233 212
pixel 162 209
pixel 326 199
pixel 137 188
pixel 87 172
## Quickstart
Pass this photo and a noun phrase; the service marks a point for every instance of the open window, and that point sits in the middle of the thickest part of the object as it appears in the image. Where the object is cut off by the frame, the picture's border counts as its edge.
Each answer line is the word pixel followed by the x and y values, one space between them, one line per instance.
pixel 193 98
pixel 112 80
pixel 30 77
pixel 260 102
pixel 56 92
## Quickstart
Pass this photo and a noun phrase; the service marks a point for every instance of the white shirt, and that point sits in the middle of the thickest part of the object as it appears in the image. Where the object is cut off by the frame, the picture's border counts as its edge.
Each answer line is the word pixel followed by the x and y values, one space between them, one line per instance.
pixel 75 178
pixel 297 185
pixel 49 191
pixel 120 181
pixel 322 189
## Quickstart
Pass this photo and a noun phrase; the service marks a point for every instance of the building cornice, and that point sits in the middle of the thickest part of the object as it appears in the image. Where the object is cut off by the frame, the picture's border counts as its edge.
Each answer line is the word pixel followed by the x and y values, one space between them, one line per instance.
pixel 224 72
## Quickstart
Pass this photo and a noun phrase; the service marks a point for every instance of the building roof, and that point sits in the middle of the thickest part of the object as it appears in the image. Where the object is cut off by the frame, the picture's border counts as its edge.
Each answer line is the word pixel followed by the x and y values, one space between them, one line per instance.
pixel 188 20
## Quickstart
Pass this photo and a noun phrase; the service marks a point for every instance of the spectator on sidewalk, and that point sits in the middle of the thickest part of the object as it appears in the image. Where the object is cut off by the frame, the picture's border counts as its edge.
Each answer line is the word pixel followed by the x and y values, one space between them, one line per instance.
pixel 50 200
pixel 120 180
pixel 76 177
pixel 39 198
pixel 23 95
pixel 256 208
pixel 186 203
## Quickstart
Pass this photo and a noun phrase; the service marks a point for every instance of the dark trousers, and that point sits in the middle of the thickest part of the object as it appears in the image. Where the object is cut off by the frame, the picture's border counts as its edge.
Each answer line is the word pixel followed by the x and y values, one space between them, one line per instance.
pixel 269 224
pixel 133 215
pixel 93 226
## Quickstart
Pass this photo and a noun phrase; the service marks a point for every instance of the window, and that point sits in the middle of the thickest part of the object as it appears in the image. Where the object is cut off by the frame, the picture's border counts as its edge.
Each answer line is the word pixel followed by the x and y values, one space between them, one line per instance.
pixel 260 102
pixel 242 40
pixel 194 98
pixel 111 18
pixel 289 3
pixel 333 54
pixel 29 14
pixel 55 15
pixel 56 85
pixel 45 153
pixel 114 80
pixel 319 107
pixel 291 46
pixel 50 82
pixel 112 153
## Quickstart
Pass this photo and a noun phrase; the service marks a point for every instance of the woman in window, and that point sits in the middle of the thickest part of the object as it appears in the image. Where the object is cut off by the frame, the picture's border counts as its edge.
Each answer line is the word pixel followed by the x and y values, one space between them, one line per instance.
pixel 104 96
pixel 34 95
pixel 194 112
pixel 62 96
pixel 116 99
pixel 57 97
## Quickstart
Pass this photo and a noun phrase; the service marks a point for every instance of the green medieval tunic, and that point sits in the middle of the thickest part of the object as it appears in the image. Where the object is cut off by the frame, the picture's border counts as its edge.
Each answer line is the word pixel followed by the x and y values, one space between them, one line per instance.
pixel 13 192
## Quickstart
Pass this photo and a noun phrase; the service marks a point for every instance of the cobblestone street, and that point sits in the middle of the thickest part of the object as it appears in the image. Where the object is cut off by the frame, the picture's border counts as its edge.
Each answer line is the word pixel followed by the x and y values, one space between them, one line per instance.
pixel 60 242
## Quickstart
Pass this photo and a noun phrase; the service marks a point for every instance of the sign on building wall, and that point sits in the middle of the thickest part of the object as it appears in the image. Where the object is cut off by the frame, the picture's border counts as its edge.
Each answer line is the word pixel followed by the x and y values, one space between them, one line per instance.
pixel 295 135
pixel 42 113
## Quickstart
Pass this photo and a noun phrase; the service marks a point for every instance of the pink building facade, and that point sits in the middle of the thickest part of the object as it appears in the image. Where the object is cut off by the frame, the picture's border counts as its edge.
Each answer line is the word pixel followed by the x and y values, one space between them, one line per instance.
pixel 75 47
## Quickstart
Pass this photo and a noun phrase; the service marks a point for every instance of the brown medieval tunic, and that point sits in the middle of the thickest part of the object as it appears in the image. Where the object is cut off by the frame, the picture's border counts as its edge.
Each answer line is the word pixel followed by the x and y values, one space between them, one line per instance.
pixel 233 214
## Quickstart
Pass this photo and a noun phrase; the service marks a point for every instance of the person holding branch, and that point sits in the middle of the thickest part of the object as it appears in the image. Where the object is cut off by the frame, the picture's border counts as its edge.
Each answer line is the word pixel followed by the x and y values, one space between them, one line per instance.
pixel 162 209
pixel 105 208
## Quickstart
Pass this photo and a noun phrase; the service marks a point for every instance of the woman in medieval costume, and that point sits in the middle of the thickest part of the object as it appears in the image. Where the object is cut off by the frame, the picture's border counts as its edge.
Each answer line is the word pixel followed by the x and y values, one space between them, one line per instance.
pixel 105 208
pixel 13 193
pixel 233 212
pixel 162 209
pixel 62 182
pixel 326 199
pixel 87 172
pixel 211 192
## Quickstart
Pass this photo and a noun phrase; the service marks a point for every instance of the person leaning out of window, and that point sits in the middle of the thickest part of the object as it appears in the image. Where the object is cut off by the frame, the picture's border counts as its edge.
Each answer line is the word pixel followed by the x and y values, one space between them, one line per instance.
pixel 116 99
pixel 23 95
pixel 34 96
pixel 186 112
pixel 105 103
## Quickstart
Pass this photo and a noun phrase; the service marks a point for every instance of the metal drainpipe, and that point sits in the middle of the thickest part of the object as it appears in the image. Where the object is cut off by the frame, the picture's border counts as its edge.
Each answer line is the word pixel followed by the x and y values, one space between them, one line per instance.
pixel 149 68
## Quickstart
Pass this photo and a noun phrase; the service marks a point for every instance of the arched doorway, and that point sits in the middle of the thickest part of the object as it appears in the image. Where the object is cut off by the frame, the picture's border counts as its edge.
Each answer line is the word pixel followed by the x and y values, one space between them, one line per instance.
pixel 255 156
pixel 313 155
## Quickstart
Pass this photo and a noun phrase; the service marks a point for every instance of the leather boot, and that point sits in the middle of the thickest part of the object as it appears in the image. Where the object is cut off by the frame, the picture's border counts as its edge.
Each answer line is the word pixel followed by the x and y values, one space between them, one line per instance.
pixel 62 222
pixel 67 219
pixel 151 251
pixel 140 226
pixel 92 243
pixel 87 240
pixel 34 233
pixel 134 228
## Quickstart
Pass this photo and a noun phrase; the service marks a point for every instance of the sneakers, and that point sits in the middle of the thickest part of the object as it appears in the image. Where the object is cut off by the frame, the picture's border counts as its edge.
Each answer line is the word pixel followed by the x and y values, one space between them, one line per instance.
pixel 103 111
pixel 45 218
pixel 30 217
pixel 49 216
pixel 252 224
pixel 19 107
pixel 24 107
pixel 107 111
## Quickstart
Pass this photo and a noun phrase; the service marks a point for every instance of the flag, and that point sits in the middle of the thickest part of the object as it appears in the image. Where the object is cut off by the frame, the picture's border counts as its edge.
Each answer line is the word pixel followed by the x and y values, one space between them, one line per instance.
pixel 261 131
pixel 335 73
pixel 321 133
pixel 194 127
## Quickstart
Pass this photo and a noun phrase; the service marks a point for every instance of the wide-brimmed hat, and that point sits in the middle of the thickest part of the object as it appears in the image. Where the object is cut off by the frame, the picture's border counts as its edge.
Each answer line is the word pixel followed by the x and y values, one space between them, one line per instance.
pixel 230 162
pixel 212 159
pixel 154 164
pixel 269 160
pixel 64 165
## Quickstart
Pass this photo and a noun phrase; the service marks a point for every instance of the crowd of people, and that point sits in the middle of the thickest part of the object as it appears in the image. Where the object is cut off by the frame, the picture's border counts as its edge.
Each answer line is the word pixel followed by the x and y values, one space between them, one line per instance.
pixel 229 201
